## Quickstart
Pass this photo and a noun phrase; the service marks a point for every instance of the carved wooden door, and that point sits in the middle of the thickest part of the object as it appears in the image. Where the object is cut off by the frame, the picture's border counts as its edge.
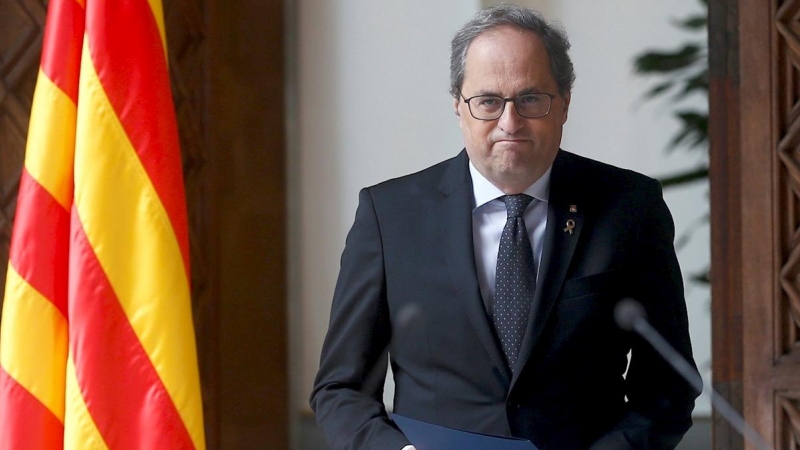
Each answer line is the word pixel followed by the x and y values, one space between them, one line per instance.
pixel 755 184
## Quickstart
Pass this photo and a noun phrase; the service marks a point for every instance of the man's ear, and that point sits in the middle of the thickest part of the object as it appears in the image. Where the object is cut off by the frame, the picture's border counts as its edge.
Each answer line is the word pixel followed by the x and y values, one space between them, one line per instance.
pixel 457 111
pixel 567 98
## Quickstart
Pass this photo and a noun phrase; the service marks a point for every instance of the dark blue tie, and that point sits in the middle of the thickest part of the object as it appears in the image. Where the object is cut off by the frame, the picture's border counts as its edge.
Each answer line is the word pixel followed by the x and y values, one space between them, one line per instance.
pixel 515 279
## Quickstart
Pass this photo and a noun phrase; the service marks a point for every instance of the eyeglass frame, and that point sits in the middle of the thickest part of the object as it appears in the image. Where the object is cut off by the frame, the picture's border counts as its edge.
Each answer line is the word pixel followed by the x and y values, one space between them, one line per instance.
pixel 506 100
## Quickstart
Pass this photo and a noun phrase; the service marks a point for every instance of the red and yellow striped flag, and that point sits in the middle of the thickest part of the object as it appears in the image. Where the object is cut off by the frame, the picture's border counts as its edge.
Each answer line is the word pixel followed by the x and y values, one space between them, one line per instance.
pixel 97 348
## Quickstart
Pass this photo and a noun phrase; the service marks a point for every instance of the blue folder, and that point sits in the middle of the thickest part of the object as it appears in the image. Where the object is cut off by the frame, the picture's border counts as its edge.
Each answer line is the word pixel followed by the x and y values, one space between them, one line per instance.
pixel 427 436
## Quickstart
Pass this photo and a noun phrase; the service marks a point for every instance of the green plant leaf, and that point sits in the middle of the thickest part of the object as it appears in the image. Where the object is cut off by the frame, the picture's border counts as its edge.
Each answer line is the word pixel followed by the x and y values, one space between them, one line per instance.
pixel 681 178
pixel 694 129
pixel 696 83
pixel 703 277
pixel 665 62
pixel 659 89
pixel 693 23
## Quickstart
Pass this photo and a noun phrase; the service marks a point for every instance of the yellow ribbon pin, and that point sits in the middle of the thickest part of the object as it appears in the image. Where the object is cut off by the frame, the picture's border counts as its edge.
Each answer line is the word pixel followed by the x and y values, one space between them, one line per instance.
pixel 570 226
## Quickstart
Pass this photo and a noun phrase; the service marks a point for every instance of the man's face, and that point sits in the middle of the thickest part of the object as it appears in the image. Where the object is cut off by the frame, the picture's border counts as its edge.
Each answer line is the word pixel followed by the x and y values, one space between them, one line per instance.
pixel 512 151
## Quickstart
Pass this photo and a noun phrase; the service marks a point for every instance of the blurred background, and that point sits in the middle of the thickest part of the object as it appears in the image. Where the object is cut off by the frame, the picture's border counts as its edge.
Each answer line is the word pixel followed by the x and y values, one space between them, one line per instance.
pixel 287 108
pixel 372 104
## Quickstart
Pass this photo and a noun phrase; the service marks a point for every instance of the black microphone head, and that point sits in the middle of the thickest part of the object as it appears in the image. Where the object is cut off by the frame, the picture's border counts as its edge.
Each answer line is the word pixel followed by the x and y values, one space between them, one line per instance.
pixel 627 312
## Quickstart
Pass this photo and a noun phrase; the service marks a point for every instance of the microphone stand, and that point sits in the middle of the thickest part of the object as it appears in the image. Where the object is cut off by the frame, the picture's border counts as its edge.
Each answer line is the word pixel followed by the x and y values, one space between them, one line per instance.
pixel 630 315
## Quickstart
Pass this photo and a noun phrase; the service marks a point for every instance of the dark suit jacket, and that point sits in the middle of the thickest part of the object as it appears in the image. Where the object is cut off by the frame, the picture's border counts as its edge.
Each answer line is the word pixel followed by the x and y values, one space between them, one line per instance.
pixel 408 285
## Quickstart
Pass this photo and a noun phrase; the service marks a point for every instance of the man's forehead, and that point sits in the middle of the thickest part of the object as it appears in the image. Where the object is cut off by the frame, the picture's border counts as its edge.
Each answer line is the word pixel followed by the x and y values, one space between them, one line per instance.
pixel 504 44
pixel 507 57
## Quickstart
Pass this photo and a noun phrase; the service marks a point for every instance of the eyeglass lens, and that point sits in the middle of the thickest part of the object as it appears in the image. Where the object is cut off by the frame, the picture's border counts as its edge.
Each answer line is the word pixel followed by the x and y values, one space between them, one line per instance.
pixel 489 107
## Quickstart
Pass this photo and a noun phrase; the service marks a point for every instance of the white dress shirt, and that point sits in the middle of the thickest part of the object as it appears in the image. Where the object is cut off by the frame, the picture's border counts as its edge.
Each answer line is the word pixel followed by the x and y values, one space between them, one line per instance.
pixel 489 218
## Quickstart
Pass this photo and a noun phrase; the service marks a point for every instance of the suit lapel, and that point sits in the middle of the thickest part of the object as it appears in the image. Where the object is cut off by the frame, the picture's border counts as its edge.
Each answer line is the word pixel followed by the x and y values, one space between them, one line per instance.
pixel 454 218
pixel 564 224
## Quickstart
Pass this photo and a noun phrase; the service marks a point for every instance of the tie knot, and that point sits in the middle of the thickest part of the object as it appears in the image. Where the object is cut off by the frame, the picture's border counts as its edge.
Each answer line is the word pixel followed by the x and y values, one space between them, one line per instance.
pixel 516 204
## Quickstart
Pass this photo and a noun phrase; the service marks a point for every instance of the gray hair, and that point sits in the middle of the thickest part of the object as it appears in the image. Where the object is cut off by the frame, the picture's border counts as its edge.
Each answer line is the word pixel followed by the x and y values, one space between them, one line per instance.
pixel 553 35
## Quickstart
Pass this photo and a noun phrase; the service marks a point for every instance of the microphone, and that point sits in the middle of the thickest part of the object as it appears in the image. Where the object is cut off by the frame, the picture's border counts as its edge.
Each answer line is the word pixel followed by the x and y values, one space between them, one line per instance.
pixel 630 315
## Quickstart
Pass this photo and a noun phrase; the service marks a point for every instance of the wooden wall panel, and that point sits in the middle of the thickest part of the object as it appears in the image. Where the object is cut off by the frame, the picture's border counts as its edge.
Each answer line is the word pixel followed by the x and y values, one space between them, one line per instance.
pixel 21 27
pixel 725 163
pixel 246 122
pixel 188 54
pixel 755 176
pixel 785 372
pixel 787 93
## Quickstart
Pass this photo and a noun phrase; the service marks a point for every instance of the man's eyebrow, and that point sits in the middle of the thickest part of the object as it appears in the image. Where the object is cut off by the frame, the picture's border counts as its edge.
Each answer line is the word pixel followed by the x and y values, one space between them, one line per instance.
pixel 525 91
pixel 531 90
pixel 485 92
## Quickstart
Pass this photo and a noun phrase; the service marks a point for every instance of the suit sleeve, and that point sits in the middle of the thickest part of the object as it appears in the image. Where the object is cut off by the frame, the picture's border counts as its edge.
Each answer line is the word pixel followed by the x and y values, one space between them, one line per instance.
pixel 660 401
pixel 348 391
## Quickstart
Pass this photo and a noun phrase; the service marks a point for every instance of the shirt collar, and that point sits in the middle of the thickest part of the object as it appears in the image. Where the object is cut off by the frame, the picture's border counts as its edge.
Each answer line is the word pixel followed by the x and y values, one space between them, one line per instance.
pixel 484 191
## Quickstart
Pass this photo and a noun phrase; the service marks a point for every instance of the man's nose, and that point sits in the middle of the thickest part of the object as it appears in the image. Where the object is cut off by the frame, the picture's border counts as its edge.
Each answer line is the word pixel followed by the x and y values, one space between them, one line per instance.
pixel 510 121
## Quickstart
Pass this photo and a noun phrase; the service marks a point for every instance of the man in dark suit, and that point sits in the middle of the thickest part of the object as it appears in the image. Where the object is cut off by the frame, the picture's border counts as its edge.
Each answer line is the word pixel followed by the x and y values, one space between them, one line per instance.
pixel 489 280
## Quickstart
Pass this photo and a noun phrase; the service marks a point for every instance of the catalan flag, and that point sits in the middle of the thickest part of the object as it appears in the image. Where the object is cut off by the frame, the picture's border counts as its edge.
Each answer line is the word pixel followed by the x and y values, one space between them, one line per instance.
pixel 97 347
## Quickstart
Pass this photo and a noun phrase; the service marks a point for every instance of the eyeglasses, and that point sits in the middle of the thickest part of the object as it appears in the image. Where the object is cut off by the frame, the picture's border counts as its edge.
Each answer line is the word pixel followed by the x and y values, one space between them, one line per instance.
pixel 491 107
